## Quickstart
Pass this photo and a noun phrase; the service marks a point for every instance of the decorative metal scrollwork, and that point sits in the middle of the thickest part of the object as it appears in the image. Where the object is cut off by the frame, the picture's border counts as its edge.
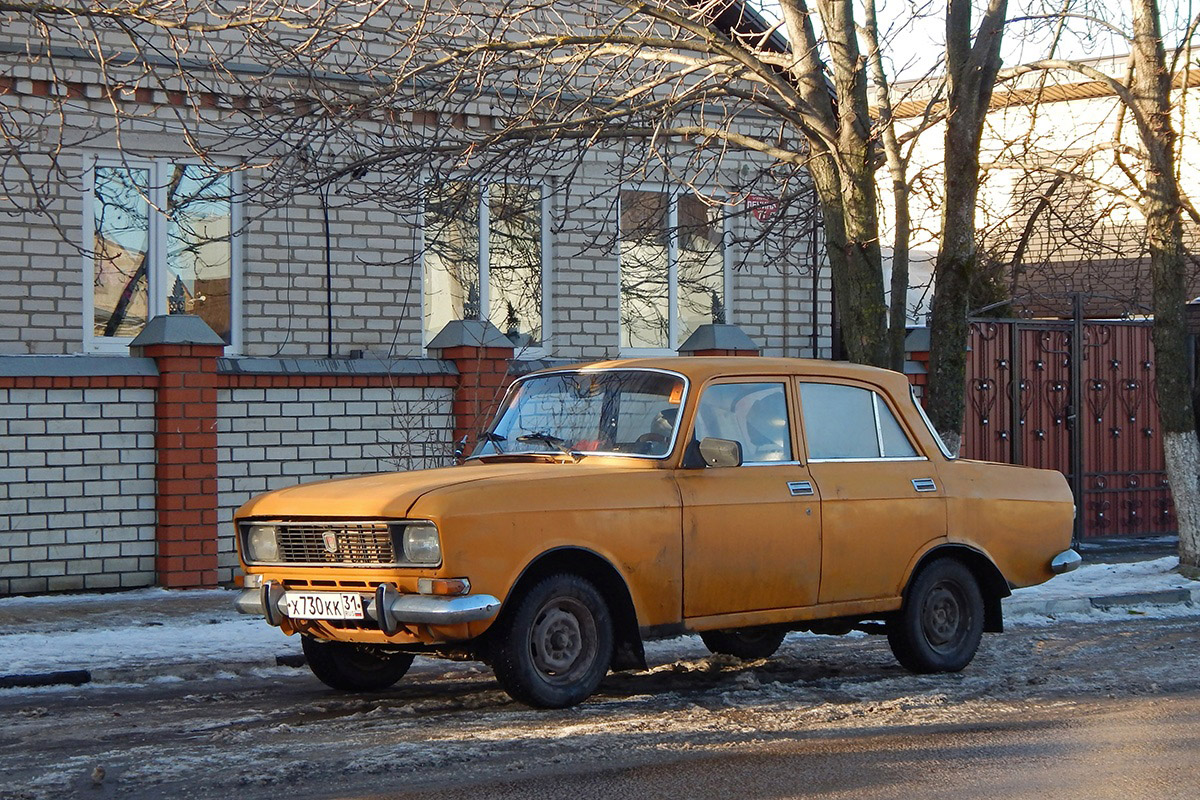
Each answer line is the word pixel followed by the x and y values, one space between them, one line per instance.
pixel 1131 398
pixel 1063 347
pixel 1098 398
pixel 1025 397
pixel 983 398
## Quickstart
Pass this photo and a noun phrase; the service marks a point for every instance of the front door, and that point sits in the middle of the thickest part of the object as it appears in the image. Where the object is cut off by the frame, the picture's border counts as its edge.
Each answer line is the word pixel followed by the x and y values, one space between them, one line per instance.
pixel 751 534
pixel 881 499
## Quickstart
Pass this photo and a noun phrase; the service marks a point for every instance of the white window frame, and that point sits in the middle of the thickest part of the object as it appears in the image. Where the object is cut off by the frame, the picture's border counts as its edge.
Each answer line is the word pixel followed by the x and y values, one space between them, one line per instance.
pixel 156 249
pixel 673 341
pixel 485 290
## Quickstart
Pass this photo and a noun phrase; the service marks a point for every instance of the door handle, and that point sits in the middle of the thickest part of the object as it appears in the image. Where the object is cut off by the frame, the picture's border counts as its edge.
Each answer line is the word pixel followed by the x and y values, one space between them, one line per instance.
pixel 800 488
pixel 924 484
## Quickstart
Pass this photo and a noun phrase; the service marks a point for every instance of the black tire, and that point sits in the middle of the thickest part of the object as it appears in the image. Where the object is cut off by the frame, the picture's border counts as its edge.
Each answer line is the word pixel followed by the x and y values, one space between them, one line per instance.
pixel 939 627
pixel 748 644
pixel 353 667
pixel 556 643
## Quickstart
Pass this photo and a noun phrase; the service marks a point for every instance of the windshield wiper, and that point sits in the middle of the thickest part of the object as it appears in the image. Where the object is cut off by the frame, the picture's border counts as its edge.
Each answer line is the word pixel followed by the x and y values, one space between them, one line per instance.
pixel 495 439
pixel 551 441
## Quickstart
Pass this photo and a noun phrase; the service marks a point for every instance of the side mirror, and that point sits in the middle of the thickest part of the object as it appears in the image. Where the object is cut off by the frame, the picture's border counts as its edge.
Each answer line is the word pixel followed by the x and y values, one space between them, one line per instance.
pixel 460 450
pixel 713 452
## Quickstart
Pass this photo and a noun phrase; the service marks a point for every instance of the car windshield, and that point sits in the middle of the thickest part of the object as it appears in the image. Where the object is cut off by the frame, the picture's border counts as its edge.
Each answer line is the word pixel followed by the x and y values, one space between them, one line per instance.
pixel 620 411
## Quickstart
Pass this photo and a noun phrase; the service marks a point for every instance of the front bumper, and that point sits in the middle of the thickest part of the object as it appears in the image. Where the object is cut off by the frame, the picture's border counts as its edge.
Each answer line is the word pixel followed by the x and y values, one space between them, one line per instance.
pixel 1066 561
pixel 388 607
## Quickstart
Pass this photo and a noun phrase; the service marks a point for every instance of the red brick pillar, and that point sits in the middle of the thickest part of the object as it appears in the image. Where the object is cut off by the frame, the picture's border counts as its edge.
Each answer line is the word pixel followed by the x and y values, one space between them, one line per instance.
pixel 916 359
pixel 718 339
pixel 185 350
pixel 481 353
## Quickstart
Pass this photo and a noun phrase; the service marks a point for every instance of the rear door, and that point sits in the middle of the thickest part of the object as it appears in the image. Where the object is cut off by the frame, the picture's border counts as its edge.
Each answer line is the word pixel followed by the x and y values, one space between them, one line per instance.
pixel 881 498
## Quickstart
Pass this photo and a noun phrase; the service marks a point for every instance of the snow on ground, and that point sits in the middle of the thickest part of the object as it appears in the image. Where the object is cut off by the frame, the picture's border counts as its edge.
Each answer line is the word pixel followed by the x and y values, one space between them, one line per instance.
pixel 163 632
pixel 131 629
pixel 1096 580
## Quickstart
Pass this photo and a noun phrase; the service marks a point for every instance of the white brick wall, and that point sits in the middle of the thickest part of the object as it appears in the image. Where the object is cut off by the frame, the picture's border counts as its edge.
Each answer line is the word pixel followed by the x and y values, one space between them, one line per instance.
pixel 273 438
pixel 76 489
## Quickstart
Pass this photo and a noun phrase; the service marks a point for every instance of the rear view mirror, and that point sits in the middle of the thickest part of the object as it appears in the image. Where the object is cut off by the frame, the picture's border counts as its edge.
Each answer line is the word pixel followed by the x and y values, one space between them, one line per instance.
pixel 720 452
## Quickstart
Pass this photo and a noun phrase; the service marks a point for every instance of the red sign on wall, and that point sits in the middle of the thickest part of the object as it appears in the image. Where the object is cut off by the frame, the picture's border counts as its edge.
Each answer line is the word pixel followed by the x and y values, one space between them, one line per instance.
pixel 762 206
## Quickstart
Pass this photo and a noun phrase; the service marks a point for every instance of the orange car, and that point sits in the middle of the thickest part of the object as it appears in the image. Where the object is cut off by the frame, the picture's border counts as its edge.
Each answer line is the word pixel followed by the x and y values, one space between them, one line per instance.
pixel 739 498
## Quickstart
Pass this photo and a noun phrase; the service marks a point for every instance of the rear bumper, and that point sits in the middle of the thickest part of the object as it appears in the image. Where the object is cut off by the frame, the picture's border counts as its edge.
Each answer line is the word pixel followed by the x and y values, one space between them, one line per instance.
pixel 387 608
pixel 1066 561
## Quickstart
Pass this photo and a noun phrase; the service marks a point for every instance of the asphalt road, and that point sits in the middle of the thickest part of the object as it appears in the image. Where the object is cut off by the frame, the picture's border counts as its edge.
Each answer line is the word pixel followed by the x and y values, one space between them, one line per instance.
pixel 1095 710
pixel 1098 749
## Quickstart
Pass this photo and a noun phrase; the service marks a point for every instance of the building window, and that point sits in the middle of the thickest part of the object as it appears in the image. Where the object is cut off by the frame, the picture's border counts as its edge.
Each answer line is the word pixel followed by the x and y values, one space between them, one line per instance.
pixel 160 241
pixel 670 284
pixel 484 254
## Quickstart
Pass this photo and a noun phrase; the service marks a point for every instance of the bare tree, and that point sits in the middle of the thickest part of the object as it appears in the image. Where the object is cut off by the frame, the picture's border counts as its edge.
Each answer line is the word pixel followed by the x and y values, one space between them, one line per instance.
pixel 1148 100
pixel 1092 208
pixel 379 101
pixel 972 62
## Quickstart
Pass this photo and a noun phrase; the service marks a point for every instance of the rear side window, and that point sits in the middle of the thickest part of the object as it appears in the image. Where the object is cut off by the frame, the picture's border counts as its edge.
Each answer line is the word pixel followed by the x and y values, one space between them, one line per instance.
pixel 846 422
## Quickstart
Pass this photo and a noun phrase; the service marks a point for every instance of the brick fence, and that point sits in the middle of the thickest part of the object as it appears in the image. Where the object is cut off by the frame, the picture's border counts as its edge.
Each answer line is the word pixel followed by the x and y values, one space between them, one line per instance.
pixel 123 472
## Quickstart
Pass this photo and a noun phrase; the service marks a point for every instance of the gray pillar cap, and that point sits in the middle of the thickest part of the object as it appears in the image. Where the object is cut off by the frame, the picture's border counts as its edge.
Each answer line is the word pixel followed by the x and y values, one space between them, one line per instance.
pixel 469 333
pixel 176 329
pixel 718 337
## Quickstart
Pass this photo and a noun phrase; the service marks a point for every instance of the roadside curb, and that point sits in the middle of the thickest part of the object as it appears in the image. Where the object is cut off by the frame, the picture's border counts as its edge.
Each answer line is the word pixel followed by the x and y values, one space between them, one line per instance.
pixel 1086 605
pixel 159 672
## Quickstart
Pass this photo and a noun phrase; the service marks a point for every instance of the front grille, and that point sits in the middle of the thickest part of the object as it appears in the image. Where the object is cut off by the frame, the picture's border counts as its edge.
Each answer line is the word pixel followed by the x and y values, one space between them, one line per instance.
pixel 335 543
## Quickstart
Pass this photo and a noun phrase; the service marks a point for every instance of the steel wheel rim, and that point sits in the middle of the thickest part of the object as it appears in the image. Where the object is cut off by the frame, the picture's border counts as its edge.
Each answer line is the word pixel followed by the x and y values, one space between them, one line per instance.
pixel 945 616
pixel 562 640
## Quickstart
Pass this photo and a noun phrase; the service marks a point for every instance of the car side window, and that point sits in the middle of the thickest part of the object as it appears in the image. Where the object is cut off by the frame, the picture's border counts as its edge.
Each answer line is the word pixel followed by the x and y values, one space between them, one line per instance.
pixel 753 414
pixel 846 422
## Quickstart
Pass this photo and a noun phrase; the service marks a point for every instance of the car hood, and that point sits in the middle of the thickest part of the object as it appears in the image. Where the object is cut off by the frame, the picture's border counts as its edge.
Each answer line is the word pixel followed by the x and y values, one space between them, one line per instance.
pixel 388 494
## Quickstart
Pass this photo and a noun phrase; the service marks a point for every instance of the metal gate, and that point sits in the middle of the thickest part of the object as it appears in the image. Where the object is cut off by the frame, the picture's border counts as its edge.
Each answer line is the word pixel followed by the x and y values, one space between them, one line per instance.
pixel 1079 397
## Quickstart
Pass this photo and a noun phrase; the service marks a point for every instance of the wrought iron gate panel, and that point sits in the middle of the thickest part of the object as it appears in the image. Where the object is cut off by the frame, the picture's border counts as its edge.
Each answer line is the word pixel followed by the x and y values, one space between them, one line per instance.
pixel 1125 486
pixel 1020 388
pixel 989 404
pixel 1044 377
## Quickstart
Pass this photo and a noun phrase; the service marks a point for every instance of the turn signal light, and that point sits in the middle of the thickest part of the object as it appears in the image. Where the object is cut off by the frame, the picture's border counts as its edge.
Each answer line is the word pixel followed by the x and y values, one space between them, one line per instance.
pixel 443 586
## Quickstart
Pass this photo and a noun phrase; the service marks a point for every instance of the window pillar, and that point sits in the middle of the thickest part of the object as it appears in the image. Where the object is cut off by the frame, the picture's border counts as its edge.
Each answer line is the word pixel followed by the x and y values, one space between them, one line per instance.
pixel 185 350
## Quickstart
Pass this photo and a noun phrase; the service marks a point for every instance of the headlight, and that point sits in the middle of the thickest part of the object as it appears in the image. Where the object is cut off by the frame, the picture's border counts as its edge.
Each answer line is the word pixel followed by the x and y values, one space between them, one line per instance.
pixel 420 543
pixel 261 545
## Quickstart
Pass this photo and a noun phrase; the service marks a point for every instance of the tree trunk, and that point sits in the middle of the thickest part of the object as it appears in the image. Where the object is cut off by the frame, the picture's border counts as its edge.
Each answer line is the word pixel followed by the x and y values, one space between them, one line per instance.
pixel 861 307
pixel 1164 234
pixel 902 231
pixel 971 74
pixel 845 184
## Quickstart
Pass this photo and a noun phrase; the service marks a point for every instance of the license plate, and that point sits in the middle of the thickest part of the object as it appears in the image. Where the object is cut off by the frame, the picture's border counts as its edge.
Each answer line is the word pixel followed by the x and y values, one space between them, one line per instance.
pixel 324 605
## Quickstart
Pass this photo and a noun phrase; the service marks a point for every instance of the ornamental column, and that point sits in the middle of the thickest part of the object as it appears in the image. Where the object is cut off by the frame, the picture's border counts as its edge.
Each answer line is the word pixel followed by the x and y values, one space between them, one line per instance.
pixel 185 350
pixel 481 353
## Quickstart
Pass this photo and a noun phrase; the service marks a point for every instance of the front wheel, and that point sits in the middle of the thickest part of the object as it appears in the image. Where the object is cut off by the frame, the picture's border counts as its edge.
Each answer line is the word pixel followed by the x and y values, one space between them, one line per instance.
pixel 748 644
pixel 940 625
pixel 556 645
pixel 353 667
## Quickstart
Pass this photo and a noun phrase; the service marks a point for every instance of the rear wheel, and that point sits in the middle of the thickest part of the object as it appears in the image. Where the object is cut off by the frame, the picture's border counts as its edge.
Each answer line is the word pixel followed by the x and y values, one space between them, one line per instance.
pixel 941 623
pixel 354 667
pixel 747 644
pixel 556 645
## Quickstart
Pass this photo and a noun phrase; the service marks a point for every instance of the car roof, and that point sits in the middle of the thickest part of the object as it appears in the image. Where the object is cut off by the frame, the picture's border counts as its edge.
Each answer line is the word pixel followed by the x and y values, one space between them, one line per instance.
pixel 699 369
